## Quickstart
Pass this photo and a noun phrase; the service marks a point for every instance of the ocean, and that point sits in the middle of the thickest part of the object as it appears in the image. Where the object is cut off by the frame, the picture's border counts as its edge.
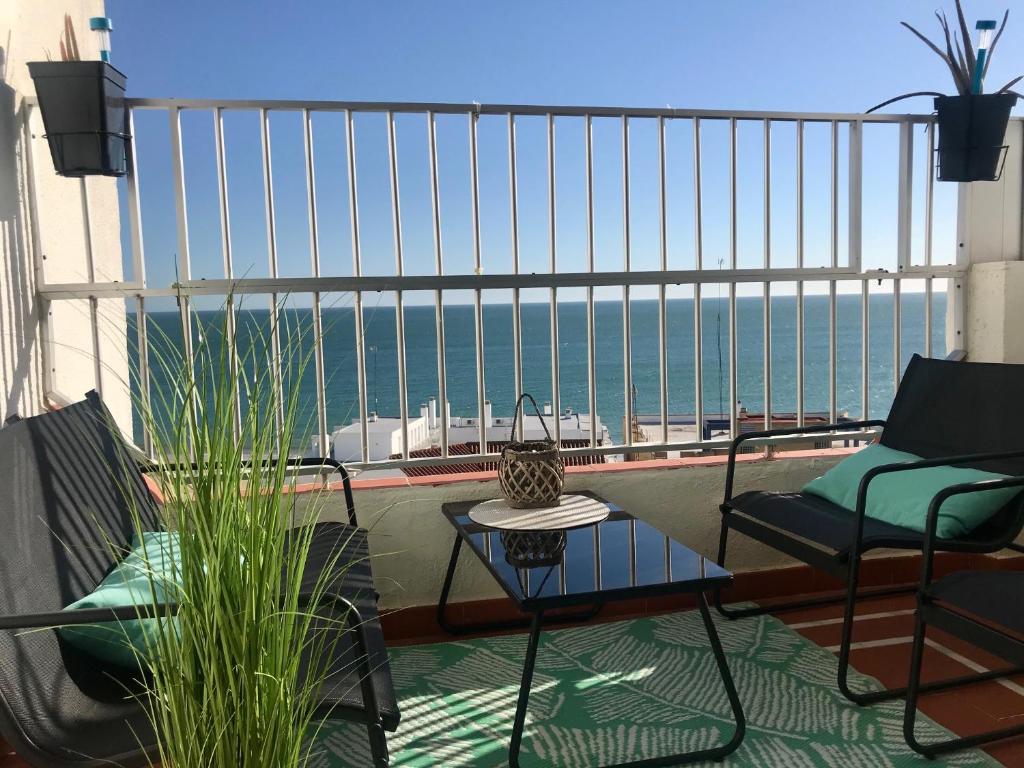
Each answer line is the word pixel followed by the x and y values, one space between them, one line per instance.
pixel 460 354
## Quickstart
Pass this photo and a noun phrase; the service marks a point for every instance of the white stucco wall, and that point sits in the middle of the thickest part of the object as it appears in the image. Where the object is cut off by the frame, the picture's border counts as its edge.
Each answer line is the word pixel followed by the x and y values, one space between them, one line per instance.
pixel 411 540
pixel 990 211
pixel 28 29
pixel 996 312
pixel 991 226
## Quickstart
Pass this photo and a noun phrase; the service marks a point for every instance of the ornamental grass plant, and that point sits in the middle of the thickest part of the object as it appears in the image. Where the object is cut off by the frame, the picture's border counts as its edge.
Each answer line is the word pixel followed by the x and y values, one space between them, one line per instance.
pixel 233 677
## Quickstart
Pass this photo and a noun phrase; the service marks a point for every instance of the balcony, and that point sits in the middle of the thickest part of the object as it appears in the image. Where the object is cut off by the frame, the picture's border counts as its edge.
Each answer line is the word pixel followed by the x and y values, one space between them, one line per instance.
pixel 663 280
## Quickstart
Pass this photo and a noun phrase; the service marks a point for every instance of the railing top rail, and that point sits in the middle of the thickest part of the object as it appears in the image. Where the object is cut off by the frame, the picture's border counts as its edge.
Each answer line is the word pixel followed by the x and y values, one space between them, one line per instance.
pixel 521 109
pixel 455 282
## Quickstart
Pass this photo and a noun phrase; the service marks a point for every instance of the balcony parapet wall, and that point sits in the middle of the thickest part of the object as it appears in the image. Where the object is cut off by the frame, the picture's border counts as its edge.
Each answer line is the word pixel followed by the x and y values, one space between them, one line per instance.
pixel 411 540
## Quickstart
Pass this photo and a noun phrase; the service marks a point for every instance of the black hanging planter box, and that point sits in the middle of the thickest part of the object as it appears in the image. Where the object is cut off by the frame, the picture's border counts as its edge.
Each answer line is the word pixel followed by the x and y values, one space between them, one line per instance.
pixel 83 114
pixel 971 133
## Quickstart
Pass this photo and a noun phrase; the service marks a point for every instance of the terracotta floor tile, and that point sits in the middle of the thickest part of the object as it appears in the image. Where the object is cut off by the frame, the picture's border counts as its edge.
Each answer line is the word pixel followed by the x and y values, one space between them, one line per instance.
pixel 964 711
pixel 874 605
pixel 997 701
pixel 966 649
pixel 957 712
pixel 1010 753
pixel 864 630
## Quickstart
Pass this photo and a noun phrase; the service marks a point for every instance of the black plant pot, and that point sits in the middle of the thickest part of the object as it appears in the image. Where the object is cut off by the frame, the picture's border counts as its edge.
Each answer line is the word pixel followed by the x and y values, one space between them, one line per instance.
pixel 83 114
pixel 971 133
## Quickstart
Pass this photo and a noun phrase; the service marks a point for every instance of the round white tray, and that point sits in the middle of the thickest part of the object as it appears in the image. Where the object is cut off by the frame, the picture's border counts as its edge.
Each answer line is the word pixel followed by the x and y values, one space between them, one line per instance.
pixel 573 511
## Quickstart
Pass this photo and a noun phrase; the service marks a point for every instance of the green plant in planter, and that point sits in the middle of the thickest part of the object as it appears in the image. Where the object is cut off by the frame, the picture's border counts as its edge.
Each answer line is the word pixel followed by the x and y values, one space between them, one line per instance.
pixel 82 104
pixel 233 677
pixel 971 124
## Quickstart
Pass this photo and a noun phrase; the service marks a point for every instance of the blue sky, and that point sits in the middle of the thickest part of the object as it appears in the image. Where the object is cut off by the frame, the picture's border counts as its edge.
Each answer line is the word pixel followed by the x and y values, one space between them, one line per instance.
pixel 785 55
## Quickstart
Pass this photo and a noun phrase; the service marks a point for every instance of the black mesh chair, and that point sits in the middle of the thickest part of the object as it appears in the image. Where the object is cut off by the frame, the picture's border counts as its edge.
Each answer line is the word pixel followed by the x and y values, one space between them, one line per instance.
pixel 965 414
pixel 980 607
pixel 69 488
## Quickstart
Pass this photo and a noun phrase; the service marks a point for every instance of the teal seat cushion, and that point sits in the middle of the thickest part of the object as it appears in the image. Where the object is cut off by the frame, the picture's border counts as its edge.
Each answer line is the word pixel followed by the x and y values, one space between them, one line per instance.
pixel 902 498
pixel 149 573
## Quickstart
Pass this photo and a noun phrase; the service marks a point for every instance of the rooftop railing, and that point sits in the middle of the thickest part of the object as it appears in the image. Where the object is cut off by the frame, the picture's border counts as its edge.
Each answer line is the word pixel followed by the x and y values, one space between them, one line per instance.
pixel 846 159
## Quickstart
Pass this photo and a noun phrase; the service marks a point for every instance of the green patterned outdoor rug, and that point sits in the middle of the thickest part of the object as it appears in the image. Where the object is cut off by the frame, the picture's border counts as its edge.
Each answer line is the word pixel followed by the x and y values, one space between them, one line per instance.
pixel 608 693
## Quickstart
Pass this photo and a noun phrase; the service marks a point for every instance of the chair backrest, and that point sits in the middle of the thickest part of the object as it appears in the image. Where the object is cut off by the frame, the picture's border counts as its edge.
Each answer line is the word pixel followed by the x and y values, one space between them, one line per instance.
pixel 947 408
pixel 70 494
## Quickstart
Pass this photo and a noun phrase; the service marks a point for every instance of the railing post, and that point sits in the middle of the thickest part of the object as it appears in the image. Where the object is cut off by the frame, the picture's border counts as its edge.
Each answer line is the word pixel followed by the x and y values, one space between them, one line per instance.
pixel 627 330
pixel 904 236
pixel 800 304
pixel 833 344
pixel 663 261
pixel 271 217
pixel 698 249
pixel 591 325
pixel 478 311
pixel 357 270
pixel 228 257
pixel 181 215
pixel 556 405
pixel 766 320
pixel 435 215
pixel 517 328
pixel 734 424
pixel 905 210
pixel 929 209
pixel 396 224
pixel 854 181
pixel 323 441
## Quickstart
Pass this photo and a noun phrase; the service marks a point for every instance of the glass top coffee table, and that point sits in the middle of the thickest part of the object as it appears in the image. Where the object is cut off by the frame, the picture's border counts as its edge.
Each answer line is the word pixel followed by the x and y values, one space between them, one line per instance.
pixel 582 569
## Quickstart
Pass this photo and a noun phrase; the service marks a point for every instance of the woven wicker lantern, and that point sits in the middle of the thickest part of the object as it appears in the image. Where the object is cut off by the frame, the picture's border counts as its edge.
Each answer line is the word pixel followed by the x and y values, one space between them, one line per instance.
pixel 531 473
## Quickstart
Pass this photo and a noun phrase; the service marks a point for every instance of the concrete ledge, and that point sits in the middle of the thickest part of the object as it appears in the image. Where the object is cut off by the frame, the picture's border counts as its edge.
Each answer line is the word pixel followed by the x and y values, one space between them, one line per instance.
pixel 411 540
pixel 588 469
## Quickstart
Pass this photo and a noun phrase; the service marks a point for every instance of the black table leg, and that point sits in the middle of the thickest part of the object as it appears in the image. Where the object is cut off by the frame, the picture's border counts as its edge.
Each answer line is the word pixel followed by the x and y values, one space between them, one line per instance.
pixel 717 753
pixel 524 690
pixel 713 753
pixel 442 603
pixel 492 626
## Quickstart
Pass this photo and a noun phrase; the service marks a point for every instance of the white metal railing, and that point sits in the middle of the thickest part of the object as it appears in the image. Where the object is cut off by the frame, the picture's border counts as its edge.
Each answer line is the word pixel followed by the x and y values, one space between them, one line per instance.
pixel 399 283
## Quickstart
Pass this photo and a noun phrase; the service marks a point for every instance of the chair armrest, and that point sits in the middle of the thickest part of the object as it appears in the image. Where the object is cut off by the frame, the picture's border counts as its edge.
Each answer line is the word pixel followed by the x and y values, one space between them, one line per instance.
pixel 356 623
pixel 819 429
pixel 86 616
pixel 336 467
pixel 932 522
pixel 126 613
pixel 353 619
